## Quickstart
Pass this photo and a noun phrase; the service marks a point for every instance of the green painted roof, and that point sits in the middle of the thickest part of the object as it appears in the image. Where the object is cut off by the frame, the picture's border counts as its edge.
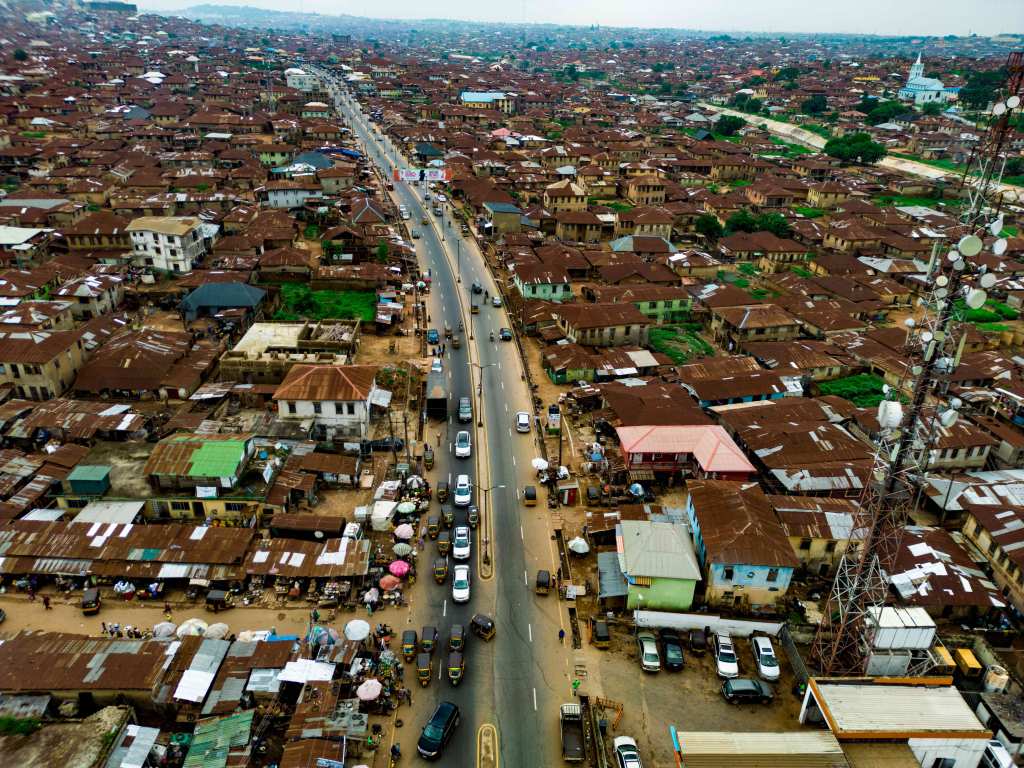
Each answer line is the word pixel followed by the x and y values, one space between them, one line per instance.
pixel 213 739
pixel 217 459
pixel 89 472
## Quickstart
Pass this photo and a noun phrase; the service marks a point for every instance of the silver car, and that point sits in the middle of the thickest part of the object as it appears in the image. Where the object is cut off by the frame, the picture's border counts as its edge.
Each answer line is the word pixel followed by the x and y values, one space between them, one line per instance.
pixel 647 647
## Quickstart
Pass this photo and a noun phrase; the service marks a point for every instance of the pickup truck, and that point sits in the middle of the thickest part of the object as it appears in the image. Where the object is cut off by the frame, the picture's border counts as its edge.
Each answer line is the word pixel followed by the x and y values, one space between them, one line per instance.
pixel 570 725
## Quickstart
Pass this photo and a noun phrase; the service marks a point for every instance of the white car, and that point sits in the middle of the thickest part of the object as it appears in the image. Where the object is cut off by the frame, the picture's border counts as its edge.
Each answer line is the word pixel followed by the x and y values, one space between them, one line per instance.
pixel 436 366
pixel 764 656
pixel 463 445
pixel 647 647
pixel 726 663
pixel 460 584
pixel 461 542
pixel 626 753
pixel 463 491
pixel 495 301
pixel 522 421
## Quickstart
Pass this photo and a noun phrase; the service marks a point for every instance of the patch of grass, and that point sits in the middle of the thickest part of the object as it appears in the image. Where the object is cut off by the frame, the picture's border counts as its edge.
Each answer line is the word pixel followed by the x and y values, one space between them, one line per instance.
pixel 680 343
pixel 34 134
pixel 748 268
pixel 808 211
pixel 805 273
pixel 19 726
pixel 823 131
pixel 903 200
pixel 312 232
pixel 863 390
pixel 992 327
pixel 741 282
pixel 620 207
pixel 740 183
pixel 299 302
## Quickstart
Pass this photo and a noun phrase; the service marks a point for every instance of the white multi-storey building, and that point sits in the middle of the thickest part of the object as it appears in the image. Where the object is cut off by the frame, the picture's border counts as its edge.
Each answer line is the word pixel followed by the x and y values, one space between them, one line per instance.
pixel 168 243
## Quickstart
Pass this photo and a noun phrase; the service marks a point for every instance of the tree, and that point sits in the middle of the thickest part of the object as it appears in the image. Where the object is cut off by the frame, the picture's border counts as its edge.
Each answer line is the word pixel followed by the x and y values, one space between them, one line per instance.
pixel 741 221
pixel 727 125
pixel 855 147
pixel 382 252
pixel 709 226
pixel 815 105
pixel 773 222
pixel 981 88
pixel 20 55
pixel 787 73
pixel 932 108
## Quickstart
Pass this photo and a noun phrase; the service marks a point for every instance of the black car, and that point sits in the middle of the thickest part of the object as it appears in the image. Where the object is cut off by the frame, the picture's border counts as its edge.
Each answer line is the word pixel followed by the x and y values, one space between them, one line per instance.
pixel 672 647
pixel 387 444
pixel 477 288
pixel 505 334
pixel 740 690
pixel 438 730
pixel 698 642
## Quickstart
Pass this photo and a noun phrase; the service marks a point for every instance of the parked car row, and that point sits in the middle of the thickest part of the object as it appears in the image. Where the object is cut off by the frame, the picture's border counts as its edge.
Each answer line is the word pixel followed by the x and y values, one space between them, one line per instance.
pixel 666 651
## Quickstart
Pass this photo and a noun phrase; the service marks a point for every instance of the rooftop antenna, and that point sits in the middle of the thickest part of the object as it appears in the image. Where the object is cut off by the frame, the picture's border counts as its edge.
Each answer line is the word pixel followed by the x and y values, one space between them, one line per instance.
pixel 843 645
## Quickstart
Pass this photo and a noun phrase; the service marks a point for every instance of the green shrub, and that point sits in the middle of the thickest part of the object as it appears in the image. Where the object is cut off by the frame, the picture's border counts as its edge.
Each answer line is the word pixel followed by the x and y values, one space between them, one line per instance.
pixel 863 390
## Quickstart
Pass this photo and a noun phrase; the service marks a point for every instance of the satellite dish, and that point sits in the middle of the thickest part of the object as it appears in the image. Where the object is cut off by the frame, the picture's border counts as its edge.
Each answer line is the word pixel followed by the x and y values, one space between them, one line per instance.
pixel 999 109
pixel 976 298
pixel 948 418
pixel 959 265
pixel 927 336
pixel 1013 102
pixel 953 255
pixel 909 322
pixel 942 281
pixel 999 246
pixel 970 245
pixel 956 403
pixel 916 370
pixel 941 293
pixel 886 389
pixel 996 226
pixel 987 280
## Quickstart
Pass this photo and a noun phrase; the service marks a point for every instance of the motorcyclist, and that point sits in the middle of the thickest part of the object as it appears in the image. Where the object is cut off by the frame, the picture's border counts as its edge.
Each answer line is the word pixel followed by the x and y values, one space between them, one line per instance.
pixel 492 335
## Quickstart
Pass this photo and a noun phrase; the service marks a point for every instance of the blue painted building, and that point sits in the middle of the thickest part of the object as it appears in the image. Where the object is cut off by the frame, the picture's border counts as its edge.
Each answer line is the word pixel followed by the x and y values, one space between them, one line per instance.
pixel 741 545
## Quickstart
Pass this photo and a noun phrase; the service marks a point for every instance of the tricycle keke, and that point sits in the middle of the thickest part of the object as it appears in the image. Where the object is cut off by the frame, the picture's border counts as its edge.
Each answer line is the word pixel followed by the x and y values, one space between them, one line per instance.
pixel 443 491
pixel 441 570
pixel 456 667
pixel 482 626
pixel 473 516
pixel 543 583
pixel 424 668
pixel 91 601
pixel 457 638
pixel 409 644
pixel 218 600
pixel 448 516
pixel 428 639
pixel 444 542
pixel 428 457
pixel 433 526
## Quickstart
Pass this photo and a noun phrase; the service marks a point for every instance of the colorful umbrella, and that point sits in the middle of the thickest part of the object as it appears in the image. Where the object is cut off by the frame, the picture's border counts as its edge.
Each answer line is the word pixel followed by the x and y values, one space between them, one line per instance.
pixel 389 582
pixel 402 549
pixel 369 690
pixel 407 507
pixel 191 627
pixel 404 532
pixel 164 629
pixel 539 464
pixel 399 568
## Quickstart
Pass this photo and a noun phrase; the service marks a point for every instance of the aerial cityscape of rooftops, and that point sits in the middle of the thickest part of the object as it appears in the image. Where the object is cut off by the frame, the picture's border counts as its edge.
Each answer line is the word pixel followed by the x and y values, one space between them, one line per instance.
pixel 379 391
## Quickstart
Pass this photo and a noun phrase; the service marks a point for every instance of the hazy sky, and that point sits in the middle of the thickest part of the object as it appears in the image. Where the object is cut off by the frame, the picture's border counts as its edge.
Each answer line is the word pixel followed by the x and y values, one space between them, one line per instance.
pixel 886 17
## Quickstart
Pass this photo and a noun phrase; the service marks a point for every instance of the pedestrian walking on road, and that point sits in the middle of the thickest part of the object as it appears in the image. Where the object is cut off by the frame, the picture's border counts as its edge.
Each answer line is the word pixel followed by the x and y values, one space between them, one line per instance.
pixel 575 687
pixel 561 636
pixel 31 595
pixel 46 602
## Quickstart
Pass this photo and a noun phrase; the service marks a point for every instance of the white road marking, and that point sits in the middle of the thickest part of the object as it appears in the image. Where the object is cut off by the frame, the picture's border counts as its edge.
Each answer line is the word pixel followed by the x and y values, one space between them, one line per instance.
pixel 502 384
pixel 449 447
pixel 526 581
pixel 529 630
pixel 517 493
pixel 449 478
pixel 521 534
pixel 534 699
pixel 513 461
pixel 510 431
pixel 444 608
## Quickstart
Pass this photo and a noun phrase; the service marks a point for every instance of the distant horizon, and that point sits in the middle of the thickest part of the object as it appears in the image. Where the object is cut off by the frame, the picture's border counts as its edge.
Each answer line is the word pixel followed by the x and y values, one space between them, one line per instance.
pixel 884 18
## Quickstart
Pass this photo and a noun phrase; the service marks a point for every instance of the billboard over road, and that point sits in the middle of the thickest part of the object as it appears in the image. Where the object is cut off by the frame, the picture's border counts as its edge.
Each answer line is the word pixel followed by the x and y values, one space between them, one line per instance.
pixel 422 174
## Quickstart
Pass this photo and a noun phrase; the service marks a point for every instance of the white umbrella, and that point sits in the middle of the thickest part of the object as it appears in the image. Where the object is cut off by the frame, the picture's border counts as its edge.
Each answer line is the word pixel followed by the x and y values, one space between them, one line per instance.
pixel 539 464
pixel 192 627
pixel 402 549
pixel 164 629
pixel 357 630
pixel 414 481
pixel 217 631
pixel 404 531
pixel 369 689
pixel 579 546
pixel 406 507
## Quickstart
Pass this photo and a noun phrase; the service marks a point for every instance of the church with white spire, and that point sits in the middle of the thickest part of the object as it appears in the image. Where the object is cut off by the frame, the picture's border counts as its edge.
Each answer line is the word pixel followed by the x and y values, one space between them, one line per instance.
pixel 924 90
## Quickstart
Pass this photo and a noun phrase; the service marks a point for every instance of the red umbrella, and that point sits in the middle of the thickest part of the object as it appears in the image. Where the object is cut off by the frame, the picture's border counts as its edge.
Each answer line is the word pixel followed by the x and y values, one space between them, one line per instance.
pixel 399 568
pixel 389 582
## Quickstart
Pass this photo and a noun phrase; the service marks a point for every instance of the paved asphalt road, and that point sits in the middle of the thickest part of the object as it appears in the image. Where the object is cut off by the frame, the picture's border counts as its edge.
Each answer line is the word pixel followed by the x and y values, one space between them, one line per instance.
pixel 516 681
